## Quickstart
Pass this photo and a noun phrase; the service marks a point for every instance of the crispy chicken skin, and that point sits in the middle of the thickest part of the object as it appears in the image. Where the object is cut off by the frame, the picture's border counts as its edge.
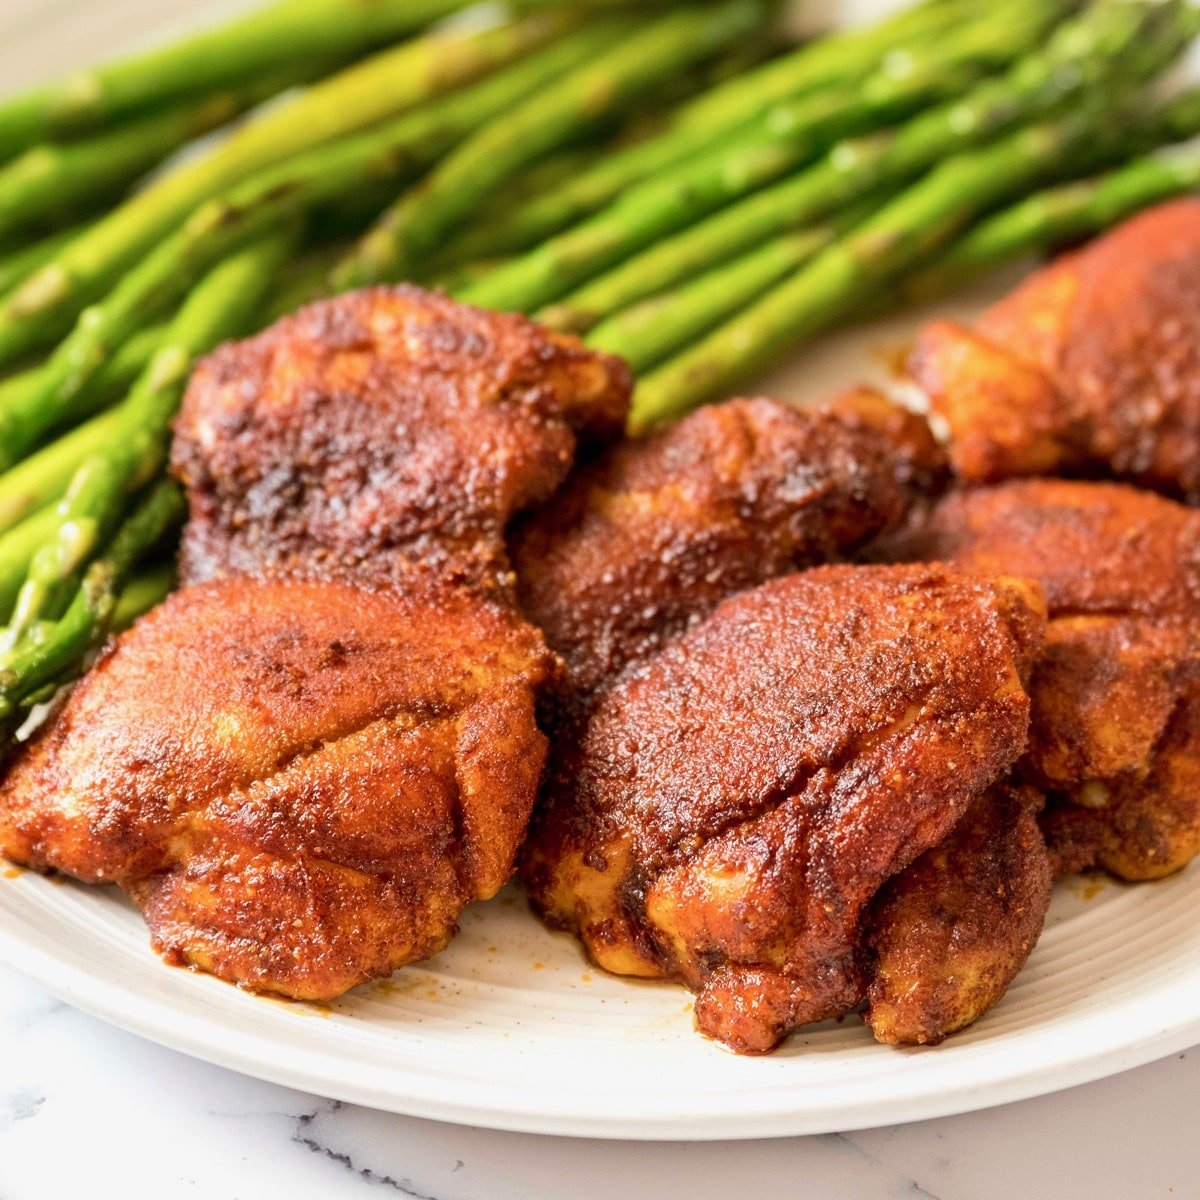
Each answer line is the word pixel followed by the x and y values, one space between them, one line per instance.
pixel 1115 739
pixel 947 936
pixel 300 783
pixel 742 797
pixel 390 427
pixel 1090 368
pixel 653 535
pixel 304 767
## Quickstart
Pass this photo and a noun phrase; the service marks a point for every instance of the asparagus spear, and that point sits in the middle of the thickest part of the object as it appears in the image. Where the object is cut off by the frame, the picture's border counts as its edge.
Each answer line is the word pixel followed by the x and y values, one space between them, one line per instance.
pixel 59 653
pixel 1059 216
pixel 838 61
pixel 786 138
pixel 611 135
pixel 907 230
pixel 458 116
pixel 264 201
pixel 17 548
pixel 1108 44
pixel 146 590
pixel 407 233
pixel 261 42
pixel 651 331
pixel 385 85
pixel 647 332
pixel 43 476
pixel 18 265
pixel 223 305
pixel 55 183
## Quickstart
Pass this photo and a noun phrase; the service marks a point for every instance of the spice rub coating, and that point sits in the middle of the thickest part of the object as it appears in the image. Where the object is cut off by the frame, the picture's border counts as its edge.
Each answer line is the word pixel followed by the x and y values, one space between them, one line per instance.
pixel 389 428
pixel 1089 368
pixel 653 535
pixel 306 762
pixel 744 795
pixel 300 784
pixel 1115 739
pixel 948 935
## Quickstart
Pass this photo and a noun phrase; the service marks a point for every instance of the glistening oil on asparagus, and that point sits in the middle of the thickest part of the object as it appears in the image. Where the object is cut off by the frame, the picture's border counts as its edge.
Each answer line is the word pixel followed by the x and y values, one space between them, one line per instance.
pixel 1093 48
pixel 828 67
pixel 785 139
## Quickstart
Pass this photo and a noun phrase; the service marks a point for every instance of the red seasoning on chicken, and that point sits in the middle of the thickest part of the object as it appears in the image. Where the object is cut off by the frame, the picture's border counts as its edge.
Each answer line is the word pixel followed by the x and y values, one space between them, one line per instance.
pixel 640 547
pixel 303 769
pixel 1115 740
pixel 742 798
pixel 653 535
pixel 1090 368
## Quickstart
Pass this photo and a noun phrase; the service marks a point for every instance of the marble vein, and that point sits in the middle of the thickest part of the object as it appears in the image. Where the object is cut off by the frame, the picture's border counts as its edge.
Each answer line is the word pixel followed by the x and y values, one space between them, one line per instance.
pixel 19 1105
pixel 303 1137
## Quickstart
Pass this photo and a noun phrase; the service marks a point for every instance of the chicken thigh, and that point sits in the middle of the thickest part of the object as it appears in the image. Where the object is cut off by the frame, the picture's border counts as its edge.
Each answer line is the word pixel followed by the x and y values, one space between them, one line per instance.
pixel 1090 368
pixel 301 784
pixel 304 767
pixel 1115 739
pixel 652 536
pixel 389 431
pixel 741 798
pixel 947 936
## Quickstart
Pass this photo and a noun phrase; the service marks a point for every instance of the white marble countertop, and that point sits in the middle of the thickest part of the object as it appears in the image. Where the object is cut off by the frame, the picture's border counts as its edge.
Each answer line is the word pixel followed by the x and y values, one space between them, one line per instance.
pixel 87 1109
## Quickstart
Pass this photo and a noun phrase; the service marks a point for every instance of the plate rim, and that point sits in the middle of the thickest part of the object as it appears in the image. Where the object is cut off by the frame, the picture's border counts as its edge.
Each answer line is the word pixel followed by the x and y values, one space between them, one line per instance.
pixel 395 1088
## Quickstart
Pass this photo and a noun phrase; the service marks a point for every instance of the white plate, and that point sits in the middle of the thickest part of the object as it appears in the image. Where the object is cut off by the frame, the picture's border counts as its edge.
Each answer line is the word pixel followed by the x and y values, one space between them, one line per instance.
pixel 510 1028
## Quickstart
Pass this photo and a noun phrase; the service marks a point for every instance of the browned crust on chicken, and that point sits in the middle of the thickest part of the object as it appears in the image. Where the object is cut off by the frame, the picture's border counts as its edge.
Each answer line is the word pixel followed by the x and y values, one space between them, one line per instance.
pixel 300 783
pixel 389 428
pixel 743 796
pixel 303 768
pixel 1091 367
pixel 1148 826
pixel 948 935
pixel 1115 738
pixel 655 534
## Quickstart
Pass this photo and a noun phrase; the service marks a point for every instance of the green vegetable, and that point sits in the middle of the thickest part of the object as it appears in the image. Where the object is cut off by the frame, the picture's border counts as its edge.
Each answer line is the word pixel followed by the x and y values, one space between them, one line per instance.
pixel 786 138
pixel 836 63
pixel 55 183
pixel 390 83
pixel 906 231
pixel 651 331
pixel 1059 216
pixel 223 305
pixel 58 654
pixel 408 233
pixel 19 264
pixel 17 548
pixel 146 590
pixel 260 203
pixel 40 478
pixel 259 43
pixel 1110 45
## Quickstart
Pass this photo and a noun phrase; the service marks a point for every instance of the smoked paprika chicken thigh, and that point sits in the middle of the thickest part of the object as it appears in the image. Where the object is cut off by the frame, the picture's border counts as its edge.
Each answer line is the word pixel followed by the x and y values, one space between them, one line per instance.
pixel 390 430
pixel 300 783
pixel 742 798
pixel 648 540
pixel 306 762
pixel 946 937
pixel 1115 738
pixel 1090 368
pixel 653 535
